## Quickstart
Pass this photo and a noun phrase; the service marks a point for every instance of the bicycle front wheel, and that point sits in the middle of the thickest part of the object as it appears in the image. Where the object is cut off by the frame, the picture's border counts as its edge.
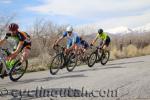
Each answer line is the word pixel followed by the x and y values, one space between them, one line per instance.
pixel 56 64
pixel 92 59
pixel 18 71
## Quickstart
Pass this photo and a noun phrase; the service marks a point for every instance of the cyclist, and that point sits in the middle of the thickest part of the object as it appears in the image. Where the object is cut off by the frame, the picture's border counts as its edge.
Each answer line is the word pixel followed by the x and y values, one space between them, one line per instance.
pixel 105 39
pixel 84 44
pixel 73 40
pixel 23 43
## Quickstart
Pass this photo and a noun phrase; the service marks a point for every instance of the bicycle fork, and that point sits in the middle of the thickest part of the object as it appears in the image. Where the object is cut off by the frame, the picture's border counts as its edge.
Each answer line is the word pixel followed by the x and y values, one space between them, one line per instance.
pixel 4 68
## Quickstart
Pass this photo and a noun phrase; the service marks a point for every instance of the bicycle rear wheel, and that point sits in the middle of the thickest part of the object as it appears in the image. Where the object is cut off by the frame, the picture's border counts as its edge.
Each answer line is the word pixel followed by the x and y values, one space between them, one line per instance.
pixel 18 71
pixel 56 64
pixel 72 62
pixel 105 57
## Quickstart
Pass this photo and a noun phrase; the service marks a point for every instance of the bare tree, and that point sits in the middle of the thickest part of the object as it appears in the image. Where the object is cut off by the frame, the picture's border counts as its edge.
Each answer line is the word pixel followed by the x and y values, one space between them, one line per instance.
pixel 4 22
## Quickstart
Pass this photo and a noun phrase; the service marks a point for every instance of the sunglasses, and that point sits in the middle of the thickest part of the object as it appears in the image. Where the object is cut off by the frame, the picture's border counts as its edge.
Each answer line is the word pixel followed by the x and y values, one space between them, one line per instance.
pixel 69 32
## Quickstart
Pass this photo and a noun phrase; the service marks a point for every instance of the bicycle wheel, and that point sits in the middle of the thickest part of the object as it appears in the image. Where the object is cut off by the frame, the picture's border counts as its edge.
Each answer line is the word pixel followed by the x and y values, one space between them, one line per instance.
pixel 92 59
pixel 18 71
pixel 56 63
pixel 105 57
pixel 72 62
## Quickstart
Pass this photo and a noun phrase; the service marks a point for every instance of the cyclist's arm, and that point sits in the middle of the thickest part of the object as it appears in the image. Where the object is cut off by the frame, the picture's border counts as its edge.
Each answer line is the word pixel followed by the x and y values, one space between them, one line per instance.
pixel 16 52
pixel 93 42
pixel 58 40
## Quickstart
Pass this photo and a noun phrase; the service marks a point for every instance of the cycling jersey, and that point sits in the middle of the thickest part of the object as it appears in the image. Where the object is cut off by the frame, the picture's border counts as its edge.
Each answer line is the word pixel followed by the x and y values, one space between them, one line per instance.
pixel 102 36
pixel 74 38
pixel 20 37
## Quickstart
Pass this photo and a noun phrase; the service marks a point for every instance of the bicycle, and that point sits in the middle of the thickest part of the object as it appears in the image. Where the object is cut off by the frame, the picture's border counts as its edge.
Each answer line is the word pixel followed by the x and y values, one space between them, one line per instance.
pixel 98 55
pixel 62 60
pixel 16 71
pixel 82 56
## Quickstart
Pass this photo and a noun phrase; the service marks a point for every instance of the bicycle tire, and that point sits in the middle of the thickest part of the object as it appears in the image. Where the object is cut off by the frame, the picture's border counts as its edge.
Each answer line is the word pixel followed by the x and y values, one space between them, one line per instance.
pixel 70 67
pixel 11 73
pixel 91 64
pixel 59 60
pixel 103 56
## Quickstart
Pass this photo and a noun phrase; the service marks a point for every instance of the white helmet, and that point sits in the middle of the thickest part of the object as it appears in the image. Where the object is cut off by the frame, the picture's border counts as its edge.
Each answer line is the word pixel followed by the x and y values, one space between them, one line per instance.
pixel 69 29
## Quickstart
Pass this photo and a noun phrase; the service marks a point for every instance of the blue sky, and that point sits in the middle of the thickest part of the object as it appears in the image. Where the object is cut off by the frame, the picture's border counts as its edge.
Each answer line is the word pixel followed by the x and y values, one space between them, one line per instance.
pixel 107 13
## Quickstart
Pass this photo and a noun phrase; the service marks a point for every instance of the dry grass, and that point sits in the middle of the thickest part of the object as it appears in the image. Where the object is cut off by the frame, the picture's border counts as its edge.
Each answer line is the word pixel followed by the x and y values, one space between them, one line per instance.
pixel 39 63
pixel 129 51
pixel 146 50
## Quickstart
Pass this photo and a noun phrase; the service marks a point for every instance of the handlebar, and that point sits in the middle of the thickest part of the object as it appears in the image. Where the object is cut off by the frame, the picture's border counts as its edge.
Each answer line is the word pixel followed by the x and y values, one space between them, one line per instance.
pixel 5 51
pixel 56 47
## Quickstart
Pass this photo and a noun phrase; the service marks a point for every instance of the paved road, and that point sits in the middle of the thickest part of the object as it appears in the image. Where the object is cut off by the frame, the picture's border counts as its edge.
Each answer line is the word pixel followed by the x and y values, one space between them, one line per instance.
pixel 125 79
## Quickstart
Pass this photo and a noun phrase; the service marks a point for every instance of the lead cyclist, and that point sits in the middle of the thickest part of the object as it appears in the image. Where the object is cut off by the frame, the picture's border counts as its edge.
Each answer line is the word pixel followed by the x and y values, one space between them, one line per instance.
pixel 23 43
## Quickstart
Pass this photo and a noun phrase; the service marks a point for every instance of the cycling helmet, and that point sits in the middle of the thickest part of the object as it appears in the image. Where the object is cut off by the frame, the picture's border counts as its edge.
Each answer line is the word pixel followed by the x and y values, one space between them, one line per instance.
pixel 69 29
pixel 13 27
pixel 100 31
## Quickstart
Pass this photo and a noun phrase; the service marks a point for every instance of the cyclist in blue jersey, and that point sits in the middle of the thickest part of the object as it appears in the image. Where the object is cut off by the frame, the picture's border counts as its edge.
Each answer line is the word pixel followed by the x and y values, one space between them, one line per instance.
pixel 73 40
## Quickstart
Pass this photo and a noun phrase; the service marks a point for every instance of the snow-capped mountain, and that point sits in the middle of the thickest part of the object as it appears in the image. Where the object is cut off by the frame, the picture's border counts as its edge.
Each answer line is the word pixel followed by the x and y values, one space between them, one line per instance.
pixel 120 30
pixel 92 28
pixel 125 30
pixel 142 29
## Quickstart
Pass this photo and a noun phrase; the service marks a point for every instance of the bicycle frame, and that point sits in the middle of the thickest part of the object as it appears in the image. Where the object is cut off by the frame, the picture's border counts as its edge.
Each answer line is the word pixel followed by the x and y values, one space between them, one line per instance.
pixel 97 51
pixel 62 55
pixel 3 61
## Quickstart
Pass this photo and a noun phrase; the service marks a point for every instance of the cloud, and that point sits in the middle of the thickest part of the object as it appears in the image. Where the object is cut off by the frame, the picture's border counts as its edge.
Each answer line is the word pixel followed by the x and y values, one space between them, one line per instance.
pixel 126 21
pixel 105 13
pixel 82 8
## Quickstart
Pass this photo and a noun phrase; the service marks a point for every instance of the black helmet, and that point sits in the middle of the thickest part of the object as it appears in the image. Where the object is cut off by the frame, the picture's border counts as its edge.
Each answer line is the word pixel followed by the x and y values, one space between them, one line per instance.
pixel 100 31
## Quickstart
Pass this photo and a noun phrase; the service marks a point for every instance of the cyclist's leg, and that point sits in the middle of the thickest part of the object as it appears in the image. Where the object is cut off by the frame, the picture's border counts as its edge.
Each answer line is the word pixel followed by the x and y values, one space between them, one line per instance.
pixel 25 54
pixel 106 46
pixel 100 44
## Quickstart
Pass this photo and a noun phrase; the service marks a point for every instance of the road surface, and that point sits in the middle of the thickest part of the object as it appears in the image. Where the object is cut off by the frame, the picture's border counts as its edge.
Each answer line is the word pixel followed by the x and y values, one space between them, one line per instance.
pixel 124 79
